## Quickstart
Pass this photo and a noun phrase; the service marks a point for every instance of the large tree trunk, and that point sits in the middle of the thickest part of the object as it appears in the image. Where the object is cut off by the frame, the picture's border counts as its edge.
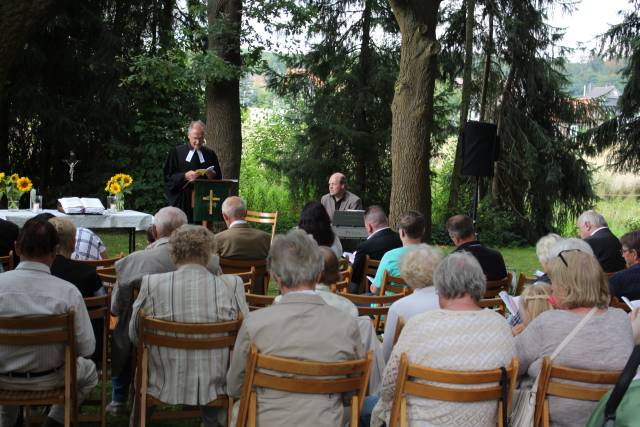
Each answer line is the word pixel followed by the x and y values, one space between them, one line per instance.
pixel 456 176
pixel 412 108
pixel 223 96
pixel 487 69
pixel 18 19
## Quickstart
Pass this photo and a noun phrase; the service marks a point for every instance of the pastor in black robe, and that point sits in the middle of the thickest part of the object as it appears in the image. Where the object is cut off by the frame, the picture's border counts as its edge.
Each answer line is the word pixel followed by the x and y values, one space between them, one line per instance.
pixel 176 166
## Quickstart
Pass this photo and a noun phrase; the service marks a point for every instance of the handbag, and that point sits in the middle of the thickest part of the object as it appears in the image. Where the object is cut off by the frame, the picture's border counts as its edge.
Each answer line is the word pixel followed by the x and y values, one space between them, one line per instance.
pixel 524 402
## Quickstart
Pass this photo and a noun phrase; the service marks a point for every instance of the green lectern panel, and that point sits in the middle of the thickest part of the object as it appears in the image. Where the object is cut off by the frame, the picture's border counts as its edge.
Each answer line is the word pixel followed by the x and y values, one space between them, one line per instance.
pixel 207 199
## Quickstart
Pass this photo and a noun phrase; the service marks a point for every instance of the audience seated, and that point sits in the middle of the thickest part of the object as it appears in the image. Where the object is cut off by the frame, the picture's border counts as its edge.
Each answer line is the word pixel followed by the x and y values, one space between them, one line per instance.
pixel 338 198
pixel 627 282
pixel 240 241
pixel 31 290
pixel 416 267
pixel 533 301
pixel 460 336
pixel 8 235
pixel 302 326
pixel 191 294
pixel 604 343
pixel 154 259
pixel 315 221
pixel 463 235
pixel 381 240
pixel 88 245
pixel 593 228
pixel 543 245
pixel 411 230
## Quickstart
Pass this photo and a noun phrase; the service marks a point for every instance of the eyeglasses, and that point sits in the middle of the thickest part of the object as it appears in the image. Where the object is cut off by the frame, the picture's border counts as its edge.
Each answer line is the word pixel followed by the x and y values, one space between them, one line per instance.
pixel 564 261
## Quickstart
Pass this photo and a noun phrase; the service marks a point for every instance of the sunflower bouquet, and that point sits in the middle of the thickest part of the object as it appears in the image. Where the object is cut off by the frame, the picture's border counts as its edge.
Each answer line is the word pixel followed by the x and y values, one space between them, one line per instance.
pixel 14 186
pixel 117 186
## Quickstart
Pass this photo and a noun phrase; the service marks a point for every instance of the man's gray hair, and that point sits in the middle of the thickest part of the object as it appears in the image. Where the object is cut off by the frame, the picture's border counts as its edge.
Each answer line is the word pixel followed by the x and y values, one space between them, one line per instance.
pixel 570 244
pixel 196 122
pixel 544 244
pixel 234 207
pixel 168 219
pixel 592 217
pixel 375 216
pixel 295 259
pixel 458 274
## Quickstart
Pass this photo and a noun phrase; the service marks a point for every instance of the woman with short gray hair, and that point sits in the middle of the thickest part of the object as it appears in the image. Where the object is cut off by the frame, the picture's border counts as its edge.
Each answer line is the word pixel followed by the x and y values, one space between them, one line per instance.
pixel 543 247
pixel 295 260
pixel 460 336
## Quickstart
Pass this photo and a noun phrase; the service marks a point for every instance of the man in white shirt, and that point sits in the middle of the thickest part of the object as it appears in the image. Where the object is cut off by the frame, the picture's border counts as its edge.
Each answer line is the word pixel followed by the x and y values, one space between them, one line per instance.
pixel 30 289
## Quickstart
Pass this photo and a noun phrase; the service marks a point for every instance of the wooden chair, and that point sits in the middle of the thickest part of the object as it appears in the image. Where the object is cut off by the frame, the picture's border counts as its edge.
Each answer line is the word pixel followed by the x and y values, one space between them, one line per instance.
pixel 496 304
pixel 616 303
pixel 494 287
pixel 7 262
pixel 395 284
pixel 248 279
pixel 370 269
pixel 399 327
pixel 31 331
pixel 187 336
pixel 407 385
pixel 346 274
pixel 104 263
pixel 341 286
pixel 264 218
pixel 261 275
pixel 522 282
pixel 549 387
pixel 256 302
pixel 99 308
pixel 352 376
pixel 376 306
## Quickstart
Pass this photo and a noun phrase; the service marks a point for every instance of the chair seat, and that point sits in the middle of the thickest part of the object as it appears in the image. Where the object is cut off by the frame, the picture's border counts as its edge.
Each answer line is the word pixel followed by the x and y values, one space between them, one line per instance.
pixel 24 397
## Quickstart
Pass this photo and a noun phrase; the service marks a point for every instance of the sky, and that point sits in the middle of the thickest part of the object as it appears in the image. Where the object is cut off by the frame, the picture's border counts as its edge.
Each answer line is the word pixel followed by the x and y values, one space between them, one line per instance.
pixel 591 17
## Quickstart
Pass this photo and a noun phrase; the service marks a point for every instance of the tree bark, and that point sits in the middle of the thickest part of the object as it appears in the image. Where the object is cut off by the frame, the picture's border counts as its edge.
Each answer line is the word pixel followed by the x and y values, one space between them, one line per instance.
pixel 223 130
pixel 412 108
pixel 456 176
pixel 496 182
pixel 487 69
pixel 18 20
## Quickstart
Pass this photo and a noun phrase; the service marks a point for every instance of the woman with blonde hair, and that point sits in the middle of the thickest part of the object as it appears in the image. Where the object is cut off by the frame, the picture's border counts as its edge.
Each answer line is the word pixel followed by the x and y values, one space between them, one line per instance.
pixel 579 289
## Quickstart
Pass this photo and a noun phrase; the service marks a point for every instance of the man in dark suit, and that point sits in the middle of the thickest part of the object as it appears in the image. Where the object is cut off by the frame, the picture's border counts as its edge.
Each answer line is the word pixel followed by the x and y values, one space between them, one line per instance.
pixel 463 235
pixel 8 236
pixel 381 239
pixel 626 283
pixel 594 230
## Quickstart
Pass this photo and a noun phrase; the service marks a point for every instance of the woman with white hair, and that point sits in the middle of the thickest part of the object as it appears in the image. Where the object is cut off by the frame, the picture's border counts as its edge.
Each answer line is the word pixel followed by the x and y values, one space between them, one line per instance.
pixel 543 246
pixel 416 267
pixel 459 336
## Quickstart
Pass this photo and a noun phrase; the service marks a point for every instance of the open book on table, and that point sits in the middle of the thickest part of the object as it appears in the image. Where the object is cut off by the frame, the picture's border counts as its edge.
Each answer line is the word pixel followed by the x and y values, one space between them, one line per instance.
pixel 80 205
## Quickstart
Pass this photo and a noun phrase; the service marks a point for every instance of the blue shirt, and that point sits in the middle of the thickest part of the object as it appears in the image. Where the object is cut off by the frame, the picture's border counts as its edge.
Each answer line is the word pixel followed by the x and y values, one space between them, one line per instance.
pixel 626 283
pixel 391 263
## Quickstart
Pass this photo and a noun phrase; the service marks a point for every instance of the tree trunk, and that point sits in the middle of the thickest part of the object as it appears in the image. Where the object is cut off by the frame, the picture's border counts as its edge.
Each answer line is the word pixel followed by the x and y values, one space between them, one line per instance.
pixel 412 109
pixel 165 25
pixel 456 176
pixel 496 182
pixel 487 69
pixel 223 96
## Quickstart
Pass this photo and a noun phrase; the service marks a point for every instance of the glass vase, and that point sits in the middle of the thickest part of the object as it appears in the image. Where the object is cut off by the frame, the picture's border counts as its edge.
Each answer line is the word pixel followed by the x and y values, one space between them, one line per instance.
pixel 13 203
pixel 119 202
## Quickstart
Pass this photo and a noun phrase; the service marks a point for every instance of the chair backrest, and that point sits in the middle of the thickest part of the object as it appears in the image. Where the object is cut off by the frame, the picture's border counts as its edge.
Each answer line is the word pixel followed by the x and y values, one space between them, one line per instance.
pixel 409 375
pixel 264 218
pixel 107 276
pixel 235 266
pixel 344 267
pixel 256 302
pixel 496 304
pixel 100 308
pixel 348 376
pixel 616 303
pixel 346 274
pixel 341 286
pixel 395 284
pixel 107 262
pixel 399 327
pixel 376 306
pixel 495 286
pixel 549 386
pixel 7 262
pixel 248 279
pixel 370 269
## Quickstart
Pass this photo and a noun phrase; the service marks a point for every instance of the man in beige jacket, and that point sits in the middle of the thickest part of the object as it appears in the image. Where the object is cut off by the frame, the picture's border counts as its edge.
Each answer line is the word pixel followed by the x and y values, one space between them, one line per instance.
pixel 302 326
pixel 240 241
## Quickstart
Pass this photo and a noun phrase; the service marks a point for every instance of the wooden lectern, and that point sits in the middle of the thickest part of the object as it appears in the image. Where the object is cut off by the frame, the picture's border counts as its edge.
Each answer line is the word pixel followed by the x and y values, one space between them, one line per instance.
pixel 207 198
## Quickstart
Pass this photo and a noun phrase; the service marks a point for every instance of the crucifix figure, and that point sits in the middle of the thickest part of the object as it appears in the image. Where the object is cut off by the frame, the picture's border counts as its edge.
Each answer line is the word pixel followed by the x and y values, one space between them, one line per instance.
pixel 71 162
pixel 213 201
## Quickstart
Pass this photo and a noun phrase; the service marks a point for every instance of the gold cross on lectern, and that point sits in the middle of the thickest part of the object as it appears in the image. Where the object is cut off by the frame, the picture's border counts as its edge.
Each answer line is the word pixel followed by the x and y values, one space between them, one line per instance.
pixel 211 199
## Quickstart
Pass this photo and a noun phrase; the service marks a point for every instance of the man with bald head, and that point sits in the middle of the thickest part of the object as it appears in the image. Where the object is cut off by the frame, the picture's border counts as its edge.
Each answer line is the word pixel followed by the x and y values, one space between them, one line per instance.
pixel 338 198
pixel 183 165
pixel 240 241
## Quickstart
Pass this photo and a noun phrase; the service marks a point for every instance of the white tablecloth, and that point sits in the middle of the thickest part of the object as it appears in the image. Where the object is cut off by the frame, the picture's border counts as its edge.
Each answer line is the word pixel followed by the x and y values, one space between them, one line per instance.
pixel 125 219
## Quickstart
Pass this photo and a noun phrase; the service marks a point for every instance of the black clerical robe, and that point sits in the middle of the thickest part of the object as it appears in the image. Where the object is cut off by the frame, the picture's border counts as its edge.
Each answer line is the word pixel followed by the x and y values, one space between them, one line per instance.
pixel 176 166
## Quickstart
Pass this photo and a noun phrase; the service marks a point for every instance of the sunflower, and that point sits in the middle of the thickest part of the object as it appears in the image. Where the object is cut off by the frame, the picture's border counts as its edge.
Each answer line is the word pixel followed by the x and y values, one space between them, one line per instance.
pixel 24 184
pixel 1 176
pixel 115 188
pixel 14 177
pixel 127 180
